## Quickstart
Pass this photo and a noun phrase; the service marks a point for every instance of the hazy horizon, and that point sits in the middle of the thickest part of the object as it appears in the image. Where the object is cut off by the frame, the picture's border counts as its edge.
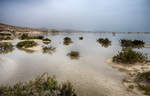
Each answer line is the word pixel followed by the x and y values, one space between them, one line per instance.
pixel 83 15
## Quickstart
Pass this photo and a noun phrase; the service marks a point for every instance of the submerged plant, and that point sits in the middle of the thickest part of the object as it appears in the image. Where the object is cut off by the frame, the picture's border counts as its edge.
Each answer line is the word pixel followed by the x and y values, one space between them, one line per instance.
pixel 143 82
pixel 49 49
pixel 129 57
pixel 26 44
pixel 46 41
pixel 6 47
pixel 67 41
pixel 132 43
pixel 43 85
pixel 74 54
pixel 104 42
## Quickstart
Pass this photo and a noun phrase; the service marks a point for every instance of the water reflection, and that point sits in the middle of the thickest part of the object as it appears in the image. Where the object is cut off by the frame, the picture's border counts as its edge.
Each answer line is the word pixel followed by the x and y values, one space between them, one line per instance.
pixel 26 50
pixel 105 42
pixel 74 55
pixel 6 47
pixel 67 41
pixel 82 70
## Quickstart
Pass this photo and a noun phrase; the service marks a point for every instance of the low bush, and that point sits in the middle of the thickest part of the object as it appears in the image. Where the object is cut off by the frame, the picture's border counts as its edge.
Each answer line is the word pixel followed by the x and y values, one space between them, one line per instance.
pixel 80 38
pixel 26 36
pixel 46 41
pixel 43 85
pixel 48 49
pixel 74 54
pixel 104 42
pixel 67 41
pixel 132 43
pixel 129 57
pixel 26 44
pixel 5 38
pixel 6 48
pixel 143 82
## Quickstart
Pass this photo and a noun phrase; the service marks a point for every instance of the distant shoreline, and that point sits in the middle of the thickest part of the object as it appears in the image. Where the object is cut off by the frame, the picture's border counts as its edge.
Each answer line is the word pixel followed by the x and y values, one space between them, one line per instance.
pixel 11 28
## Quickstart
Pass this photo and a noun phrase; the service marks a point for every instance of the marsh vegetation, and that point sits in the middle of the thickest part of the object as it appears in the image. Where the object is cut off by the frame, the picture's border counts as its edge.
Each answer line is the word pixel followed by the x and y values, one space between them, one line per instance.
pixel 105 42
pixel 129 56
pixel 43 85
pixel 74 55
pixel 5 36
pixel 26 36
pixel 6 47
pixel 67 41
pixel 46 41
pixel 49 49
pixel 132 43
pixel 80 38
pixel 26 44
pixel 143 82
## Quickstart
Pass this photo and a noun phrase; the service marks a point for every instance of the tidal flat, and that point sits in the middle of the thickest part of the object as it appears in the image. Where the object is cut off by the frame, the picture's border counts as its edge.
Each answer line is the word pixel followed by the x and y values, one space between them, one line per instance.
pixel 90 73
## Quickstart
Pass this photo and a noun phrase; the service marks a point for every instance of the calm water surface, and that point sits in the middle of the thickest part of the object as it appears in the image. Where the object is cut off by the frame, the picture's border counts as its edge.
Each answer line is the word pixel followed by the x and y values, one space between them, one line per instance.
pixel 90 74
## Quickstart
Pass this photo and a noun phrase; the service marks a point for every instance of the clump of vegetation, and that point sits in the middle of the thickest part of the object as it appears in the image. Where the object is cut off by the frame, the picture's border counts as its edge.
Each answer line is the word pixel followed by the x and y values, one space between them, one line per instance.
pixel 129 57
pixel 143 82
pixel 6 48
pixel 5 38
pixel 104 42
pixel 132 43
pixel 67 41
pixel 26 36
pixel 46 41
pixel 74 54
pixel 49 49
pixel 43 85
pixel 80 38
pixel 26 50
pixel 5 34
pixel 26 44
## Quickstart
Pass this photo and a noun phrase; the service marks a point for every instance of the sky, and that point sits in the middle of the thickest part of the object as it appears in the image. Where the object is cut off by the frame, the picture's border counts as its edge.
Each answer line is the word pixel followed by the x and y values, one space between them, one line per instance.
pixel 82 15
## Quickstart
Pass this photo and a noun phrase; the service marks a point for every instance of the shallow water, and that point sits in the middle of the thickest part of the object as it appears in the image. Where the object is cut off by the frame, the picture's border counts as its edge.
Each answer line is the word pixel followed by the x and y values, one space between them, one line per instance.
pixel 90 74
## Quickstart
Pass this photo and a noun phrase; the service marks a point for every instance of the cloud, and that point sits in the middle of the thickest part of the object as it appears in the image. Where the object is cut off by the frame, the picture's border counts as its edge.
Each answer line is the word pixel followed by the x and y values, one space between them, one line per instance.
pixel 96 15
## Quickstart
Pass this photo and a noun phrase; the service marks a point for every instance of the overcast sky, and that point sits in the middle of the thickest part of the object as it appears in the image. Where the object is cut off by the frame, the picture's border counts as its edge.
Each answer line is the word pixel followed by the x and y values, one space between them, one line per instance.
pixel 87 15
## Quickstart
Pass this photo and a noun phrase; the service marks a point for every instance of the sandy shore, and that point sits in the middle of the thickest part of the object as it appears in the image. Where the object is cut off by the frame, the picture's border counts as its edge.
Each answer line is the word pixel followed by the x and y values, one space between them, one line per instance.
pixel 35 48
pixel 131 71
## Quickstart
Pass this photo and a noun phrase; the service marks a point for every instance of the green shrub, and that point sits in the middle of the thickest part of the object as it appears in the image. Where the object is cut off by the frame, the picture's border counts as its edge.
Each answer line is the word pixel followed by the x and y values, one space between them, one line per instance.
pixel 104 42
pixel 67 41
pixel 132 43
pixel 46 41
pixel 43 85
pixel 74 54
pixel 80 38
pixel 48 49
pixel 26 44
pixel 6 48
pixel 5 34
pixel 5 38
pixel 143 82
pixel 26 36
pixel 129 57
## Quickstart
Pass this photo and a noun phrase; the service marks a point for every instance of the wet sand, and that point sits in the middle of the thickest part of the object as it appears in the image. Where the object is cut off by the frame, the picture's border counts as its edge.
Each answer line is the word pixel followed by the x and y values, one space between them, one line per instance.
pixel 131 73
